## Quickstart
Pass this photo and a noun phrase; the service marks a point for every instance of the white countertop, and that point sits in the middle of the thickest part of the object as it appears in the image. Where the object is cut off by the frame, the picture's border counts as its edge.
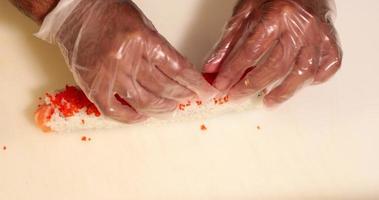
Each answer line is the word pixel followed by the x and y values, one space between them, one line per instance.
pixel 323 144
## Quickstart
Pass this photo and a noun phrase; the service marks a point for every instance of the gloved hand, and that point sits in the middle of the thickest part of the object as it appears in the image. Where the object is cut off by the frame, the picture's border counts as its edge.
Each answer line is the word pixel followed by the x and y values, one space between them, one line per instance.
pixel 276 46
pixel 114 50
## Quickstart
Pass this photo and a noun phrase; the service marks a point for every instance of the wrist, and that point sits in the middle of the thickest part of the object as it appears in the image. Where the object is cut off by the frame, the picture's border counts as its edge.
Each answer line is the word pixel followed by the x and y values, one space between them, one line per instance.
pixel 35 9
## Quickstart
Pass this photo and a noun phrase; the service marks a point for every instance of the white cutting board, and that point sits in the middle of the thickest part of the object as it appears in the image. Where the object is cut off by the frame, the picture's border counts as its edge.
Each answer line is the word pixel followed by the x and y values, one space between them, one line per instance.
pixel 323 144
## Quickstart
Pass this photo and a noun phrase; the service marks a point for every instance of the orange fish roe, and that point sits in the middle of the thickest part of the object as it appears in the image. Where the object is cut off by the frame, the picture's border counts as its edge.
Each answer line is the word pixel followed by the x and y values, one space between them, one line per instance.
pixel 226 98
pixel 84 138
pixel 203 127
pixel 181 107
pixel 221 101
pixel 71 101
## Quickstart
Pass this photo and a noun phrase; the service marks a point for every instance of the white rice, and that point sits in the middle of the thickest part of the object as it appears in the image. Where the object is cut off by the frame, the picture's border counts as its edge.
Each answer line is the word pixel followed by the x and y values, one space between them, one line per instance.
pixel 83 121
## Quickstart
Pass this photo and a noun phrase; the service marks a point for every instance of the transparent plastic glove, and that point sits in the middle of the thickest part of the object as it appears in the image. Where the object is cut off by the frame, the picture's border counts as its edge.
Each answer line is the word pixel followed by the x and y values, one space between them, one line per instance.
pixel 113 50
pixel 276 46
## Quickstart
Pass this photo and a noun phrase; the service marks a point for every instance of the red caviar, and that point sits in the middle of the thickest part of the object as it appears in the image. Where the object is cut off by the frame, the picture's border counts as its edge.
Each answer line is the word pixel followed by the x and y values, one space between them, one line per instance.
pixel 71 101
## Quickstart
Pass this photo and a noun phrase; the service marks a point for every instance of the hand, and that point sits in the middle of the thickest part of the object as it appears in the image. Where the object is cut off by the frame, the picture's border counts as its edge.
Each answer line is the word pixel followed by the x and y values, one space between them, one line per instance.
pixel 279 44
pixel 114 51
pixel 36 10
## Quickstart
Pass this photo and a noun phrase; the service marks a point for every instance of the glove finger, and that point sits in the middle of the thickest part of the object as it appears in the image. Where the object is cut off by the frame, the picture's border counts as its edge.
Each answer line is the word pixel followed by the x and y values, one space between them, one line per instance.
pixel 111 107
pixel 303 72
pixel 103 95
pixel 331 58
pixel 248 55
pixel 141 99
pixel 159 84
pixel 176 67
pixel 275 67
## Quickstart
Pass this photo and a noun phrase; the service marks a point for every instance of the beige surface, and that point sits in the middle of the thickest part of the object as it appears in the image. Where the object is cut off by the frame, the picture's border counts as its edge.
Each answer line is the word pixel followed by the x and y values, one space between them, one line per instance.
pixel 323 144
